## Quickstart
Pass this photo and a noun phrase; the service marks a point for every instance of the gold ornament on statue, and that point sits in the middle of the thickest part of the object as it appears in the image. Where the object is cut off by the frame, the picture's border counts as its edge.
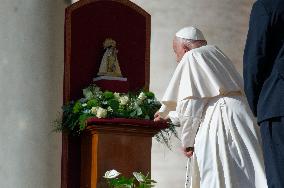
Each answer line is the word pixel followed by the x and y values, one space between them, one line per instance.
pixel 109 64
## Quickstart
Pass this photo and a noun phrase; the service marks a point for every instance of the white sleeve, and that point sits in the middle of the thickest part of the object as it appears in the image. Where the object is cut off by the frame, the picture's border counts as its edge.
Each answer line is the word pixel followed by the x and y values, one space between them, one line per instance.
pixel 190 118
pixel 174 116
pixel 165 110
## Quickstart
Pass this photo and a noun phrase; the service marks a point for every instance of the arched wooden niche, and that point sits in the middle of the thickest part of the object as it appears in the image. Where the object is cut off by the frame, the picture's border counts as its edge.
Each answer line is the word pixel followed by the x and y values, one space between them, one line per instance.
pixel 88 24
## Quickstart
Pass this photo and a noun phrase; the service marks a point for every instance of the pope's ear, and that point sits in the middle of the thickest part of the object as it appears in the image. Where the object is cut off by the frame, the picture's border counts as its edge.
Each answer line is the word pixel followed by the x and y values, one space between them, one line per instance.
pixel 186 48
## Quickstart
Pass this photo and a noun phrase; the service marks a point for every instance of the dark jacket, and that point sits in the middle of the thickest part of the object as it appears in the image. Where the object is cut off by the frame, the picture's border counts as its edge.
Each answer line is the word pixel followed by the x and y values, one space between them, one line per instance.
pixel 264 59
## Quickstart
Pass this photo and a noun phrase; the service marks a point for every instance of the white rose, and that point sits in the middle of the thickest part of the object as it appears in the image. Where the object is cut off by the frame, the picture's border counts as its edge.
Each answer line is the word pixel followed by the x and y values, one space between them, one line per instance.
pixel 94 110
pixel 142 96
pixel 123 100
pixel 111 174
pixel 101 113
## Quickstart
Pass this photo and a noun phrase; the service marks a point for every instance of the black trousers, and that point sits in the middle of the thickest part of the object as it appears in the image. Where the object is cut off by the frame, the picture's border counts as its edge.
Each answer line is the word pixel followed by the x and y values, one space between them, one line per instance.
pixel 272 133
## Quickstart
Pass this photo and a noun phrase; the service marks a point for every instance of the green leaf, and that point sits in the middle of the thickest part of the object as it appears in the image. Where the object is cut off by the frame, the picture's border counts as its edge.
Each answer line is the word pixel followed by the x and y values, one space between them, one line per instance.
pixel 92 103
pixel 114 104
pixel 139 111
pixel 82 121
pixel 122 182
pixel 133 114
pixel 108 95
pixel 150 95
pixel 77 107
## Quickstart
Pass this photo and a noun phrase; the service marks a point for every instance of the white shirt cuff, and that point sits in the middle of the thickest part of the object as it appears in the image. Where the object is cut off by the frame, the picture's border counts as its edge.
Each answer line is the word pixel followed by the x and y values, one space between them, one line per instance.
pixel 173 115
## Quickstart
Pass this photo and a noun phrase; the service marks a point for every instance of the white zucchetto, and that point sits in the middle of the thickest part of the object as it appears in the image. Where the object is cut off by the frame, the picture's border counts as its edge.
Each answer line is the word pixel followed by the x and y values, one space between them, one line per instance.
pixel 190 33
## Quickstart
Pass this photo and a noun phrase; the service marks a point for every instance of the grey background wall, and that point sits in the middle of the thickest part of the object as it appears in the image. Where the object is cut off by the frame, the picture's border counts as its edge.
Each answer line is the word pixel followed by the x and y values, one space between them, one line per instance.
pixel 31 75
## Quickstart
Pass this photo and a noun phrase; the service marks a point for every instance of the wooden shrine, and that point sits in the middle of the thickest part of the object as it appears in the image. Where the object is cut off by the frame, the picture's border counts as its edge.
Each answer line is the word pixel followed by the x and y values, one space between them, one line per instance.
pixel 121 144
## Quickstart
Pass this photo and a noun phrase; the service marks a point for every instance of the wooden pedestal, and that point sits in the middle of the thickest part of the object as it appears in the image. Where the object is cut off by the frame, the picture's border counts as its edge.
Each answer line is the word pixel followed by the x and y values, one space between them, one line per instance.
pixel 126 148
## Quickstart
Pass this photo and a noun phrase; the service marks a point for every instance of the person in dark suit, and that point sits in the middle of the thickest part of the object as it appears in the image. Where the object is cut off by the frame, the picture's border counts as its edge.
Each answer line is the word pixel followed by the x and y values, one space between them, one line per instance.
pixel 264 82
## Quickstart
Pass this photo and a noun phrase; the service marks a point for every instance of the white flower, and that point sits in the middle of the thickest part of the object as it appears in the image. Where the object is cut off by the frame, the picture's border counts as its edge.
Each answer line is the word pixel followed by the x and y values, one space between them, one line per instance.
pixel 101 113
pixel 116 95
pixel 111 174
pixel 123 100
pixel 94 110
pixel 142 96
pixel 88 93
pixel 109 109
pixel 84 104
pixel 139 176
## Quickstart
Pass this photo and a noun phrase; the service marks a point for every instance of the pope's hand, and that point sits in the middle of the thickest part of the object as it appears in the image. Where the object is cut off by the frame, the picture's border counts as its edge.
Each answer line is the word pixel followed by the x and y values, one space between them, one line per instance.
pixel 157 114
pixel 188 152
pixel 159 118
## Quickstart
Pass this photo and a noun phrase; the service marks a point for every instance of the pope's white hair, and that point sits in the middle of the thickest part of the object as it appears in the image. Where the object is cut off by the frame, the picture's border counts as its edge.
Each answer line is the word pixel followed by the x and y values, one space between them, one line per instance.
pixel 191 44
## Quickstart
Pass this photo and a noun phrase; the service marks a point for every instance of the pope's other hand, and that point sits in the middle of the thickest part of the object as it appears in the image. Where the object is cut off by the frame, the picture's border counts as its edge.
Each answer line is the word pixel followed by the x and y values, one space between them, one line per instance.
pixel 188 152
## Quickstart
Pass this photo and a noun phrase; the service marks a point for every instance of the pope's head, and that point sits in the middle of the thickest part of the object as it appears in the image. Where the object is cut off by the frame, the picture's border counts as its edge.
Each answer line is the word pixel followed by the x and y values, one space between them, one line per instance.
pixel 187 39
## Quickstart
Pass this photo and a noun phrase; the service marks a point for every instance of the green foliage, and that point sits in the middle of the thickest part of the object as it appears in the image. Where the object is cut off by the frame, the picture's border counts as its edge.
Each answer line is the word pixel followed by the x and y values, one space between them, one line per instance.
pixel 121 182
pixel 106 104
pixel 150 95
pixel 114 104
pixel 83 121
pixel 77 107
pixel 165 135
pixel 144 181
pixel 108 95
pixel 92 103
pixel 138 181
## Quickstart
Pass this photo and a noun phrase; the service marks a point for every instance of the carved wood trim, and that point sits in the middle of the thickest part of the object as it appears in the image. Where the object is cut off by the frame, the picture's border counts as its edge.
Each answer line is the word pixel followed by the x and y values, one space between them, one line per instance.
pixel 124 129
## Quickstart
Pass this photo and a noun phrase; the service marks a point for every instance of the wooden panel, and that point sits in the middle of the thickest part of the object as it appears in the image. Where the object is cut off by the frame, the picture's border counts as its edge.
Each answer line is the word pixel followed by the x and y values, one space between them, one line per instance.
pixel 70 173
pixel 89 148
pixel 106 151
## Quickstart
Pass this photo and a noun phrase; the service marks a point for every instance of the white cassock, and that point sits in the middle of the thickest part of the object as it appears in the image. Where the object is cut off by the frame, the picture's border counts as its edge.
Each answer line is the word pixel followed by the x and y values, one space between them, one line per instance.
pixel 205 96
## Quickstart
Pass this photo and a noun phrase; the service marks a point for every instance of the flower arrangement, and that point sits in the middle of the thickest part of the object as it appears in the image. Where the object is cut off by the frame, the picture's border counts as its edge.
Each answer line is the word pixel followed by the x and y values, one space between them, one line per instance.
pixel 138 181
pixel 106 104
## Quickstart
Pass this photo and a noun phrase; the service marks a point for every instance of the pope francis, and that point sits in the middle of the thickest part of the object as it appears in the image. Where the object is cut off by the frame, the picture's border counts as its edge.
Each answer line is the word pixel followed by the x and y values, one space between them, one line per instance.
pixel 218 131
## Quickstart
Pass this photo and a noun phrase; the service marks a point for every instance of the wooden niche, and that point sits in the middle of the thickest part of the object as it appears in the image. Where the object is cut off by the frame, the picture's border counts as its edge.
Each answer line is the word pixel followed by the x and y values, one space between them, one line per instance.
pixel 121 144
